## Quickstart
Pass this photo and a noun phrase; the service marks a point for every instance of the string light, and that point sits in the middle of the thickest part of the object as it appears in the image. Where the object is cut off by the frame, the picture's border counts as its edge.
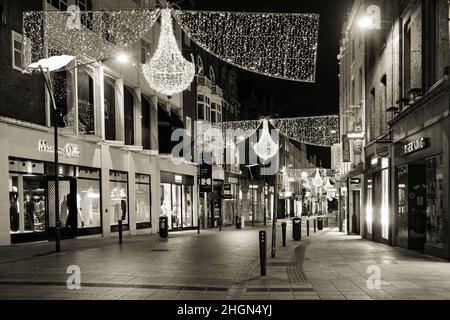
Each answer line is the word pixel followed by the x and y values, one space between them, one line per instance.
pixel 88 35
pixel 167 71
pixel 280 45
pixel 266 148
pixel 319 131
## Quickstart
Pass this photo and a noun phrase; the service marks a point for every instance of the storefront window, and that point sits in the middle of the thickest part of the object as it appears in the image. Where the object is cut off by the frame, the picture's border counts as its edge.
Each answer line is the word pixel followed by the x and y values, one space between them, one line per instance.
pixel 176 207
pixel 402 198
pixel 435 200
pixel 118 186
pixel 88 198
pixel 27 197
pixel 143 204
pixel 385 204
pixel 187 207
pixel 177 201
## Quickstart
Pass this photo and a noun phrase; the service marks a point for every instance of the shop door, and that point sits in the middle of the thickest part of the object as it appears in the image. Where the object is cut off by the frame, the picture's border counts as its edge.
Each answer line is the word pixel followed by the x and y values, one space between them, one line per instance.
pixel 417 206
pixel 67 208
pixel 177 222
pixel 355 218
pixel 376 207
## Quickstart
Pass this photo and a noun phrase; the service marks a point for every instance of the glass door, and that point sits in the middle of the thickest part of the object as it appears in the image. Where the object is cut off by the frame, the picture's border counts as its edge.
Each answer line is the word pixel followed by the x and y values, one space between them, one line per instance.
pixel 67 205
pixel 177 222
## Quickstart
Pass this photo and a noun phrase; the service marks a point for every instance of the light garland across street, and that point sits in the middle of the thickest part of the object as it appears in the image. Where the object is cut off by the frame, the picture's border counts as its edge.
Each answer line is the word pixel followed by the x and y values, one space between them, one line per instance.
pixel 90 36
pixel 280 45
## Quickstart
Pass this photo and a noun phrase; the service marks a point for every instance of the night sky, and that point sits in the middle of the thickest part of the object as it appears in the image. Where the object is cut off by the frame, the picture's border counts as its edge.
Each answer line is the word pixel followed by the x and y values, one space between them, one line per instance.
pixel 293 99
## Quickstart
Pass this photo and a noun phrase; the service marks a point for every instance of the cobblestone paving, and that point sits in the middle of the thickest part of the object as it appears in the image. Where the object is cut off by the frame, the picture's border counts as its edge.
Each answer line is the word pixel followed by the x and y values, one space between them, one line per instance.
pixel 221 265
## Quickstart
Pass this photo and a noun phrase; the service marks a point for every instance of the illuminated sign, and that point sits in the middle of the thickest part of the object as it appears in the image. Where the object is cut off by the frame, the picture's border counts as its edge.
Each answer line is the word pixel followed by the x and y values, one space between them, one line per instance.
pixel 357 135
pixel 415 146
pixel 69 150
pixel 178 179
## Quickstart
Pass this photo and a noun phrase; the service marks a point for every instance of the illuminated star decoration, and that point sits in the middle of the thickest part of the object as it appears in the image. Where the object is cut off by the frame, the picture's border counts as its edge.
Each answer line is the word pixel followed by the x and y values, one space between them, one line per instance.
pixel 167 71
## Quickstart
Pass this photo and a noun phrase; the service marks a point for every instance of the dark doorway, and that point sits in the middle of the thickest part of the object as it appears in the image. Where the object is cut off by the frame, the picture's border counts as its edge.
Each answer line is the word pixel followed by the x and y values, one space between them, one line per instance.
pixel 356 212
pixel 67 208
pixel 417 206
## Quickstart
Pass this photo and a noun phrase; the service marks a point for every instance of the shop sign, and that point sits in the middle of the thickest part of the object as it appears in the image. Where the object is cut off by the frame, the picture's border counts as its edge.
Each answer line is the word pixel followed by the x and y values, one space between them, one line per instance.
pixel 178 179
pixel 233 180
pixel 415 146
pixel 205 177
pixel 227 187
pixel 345 149
pixel 355 180
pixel 383 150
pixel 69 150
pixel 227 196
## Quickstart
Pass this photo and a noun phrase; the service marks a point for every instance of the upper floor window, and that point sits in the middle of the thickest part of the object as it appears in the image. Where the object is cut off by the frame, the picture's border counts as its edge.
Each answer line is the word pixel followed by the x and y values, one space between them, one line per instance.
pixel 59 4
pixel 145 50
pixel 212 75
pixel 17 51
pixel 200 69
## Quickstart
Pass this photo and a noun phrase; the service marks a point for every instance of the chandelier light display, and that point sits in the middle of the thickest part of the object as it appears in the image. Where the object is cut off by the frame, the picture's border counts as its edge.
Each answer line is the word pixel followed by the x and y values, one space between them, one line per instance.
pixel 317 180
pixel 266 148
pixel 280 45
pixel 89 36
pixel 167 71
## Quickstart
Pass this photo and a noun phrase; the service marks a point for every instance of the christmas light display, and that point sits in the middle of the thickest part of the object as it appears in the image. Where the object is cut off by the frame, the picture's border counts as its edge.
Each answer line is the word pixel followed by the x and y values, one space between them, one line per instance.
pixel 317 180
pixel 319 131
pixel 88 35
pixel 167 71
pixel 280 45
pixel 266 148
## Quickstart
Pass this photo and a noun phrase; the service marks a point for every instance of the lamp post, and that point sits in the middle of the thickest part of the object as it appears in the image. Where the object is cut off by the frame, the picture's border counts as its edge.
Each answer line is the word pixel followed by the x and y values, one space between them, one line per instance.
pixel 45 66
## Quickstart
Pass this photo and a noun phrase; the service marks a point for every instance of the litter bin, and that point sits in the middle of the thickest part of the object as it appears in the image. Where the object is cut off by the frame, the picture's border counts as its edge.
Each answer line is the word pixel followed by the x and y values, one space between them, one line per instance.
pixel 296 229
pixel 320 223
pixel 163 227
pixel 238 222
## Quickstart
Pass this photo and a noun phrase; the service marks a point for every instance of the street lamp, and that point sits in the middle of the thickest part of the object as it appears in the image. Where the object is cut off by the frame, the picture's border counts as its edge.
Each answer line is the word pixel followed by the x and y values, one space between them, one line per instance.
pixel 45 66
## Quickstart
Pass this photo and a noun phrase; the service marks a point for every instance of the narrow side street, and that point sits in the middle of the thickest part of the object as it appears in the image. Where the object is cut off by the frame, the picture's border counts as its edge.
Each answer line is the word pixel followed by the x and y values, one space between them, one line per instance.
pixel 222 265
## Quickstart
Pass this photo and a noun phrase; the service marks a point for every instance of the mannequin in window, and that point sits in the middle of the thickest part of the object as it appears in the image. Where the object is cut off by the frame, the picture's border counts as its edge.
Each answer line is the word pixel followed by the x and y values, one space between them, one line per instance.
pixel 14 209
pixel 29 212
pixel 123 207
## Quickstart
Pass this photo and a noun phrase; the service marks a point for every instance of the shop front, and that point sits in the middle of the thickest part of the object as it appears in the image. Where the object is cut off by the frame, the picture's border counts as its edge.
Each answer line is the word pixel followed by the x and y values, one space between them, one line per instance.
pixel 421 192
pixel 98 186
pixel 377 219
pixel 231 200
pixel 177 200
pixel 32 201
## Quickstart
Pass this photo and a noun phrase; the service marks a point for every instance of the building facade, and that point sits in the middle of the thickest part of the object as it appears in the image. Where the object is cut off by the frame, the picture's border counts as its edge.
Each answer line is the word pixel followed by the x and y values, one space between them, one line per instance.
pixel 406 201
pixel 112 162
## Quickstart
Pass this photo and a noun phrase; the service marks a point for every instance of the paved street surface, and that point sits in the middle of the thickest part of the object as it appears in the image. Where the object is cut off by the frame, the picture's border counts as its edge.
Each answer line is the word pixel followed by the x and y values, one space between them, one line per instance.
pixel 221 265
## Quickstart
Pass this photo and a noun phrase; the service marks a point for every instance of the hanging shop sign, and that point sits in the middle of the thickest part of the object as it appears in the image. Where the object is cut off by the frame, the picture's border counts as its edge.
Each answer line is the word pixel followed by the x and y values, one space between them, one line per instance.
pixel 383 150
pixel 227 187
pixel 415 146
pixel 205 177
pixel 355 180
pixel 69 150
pixel 345 149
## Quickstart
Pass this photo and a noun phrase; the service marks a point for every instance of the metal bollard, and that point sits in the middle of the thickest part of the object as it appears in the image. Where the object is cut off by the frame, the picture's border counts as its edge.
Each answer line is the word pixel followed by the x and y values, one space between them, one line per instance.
pixel 262 252
pixel 307 227
pixel 283 232
pixel 120 231
pixel 198 226
pixel 315 225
